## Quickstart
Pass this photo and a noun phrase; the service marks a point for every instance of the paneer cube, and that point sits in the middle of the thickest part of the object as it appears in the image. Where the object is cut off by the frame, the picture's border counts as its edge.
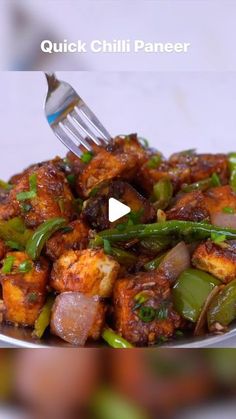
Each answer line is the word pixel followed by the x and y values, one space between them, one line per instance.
pixel 53 196
pixel 143 309
pixel 76 239
pixel 24 293
pixel 91 272
pixel 217 259
pixel 96 209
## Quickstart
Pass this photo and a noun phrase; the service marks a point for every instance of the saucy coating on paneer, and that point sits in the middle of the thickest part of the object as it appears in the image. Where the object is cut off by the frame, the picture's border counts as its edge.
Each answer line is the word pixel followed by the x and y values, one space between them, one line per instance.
pixel 217 259
pixel 24 293
pixel 155 290
pixel 200 206
pixel 91 272
pixel 75 237
pixel 3 249
pixel 77 318
pixel 53 195
pixel 95 211
pixel 121 159
pixel 184 169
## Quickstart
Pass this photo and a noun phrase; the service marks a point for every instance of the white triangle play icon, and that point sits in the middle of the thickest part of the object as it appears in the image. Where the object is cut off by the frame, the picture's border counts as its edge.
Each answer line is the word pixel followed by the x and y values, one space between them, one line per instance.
pixel 116 209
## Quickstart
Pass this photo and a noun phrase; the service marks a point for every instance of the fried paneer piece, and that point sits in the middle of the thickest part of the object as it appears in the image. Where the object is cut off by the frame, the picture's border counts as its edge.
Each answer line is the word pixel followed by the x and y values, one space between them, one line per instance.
pixel 24 293
pixel 199 206
pixel 122 159
pixel 96 209
pixel 76 238
pixel 128 323
pixel 218 260
pixel 190 207
pixel 185 169
pixel 3 249
pixel 53 199
pixel 90 272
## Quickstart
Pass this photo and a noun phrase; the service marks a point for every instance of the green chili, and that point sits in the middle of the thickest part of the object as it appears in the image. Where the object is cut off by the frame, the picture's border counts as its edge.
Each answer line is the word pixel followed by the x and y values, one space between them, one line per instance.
pixel 125 258
pixel 44 317
pixel 107 246
pixel 154 245
pixel 162 193
pixel 223 308
pixel 218 238
pixel 191 291
pixel 114 340
pixel 42 234
pixel 176 228
pixel 232 169
pixel 8 264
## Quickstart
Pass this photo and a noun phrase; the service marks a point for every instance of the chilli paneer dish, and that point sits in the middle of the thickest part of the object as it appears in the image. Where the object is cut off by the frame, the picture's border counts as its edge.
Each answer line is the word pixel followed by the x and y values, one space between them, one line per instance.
pixel 165 271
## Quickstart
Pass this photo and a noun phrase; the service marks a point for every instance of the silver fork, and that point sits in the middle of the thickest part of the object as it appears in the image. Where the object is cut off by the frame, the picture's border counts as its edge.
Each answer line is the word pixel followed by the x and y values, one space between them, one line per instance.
pixel 70 118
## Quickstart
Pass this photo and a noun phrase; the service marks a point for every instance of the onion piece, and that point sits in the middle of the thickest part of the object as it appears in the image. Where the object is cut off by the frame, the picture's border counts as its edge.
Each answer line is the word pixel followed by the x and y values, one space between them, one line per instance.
pixel 202 319
pixel 73 315
pixel 175 262
pixel 221 219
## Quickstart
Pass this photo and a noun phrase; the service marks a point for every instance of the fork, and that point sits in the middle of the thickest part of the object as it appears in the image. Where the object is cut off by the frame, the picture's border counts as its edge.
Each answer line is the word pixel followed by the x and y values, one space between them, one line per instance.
pixel 70 118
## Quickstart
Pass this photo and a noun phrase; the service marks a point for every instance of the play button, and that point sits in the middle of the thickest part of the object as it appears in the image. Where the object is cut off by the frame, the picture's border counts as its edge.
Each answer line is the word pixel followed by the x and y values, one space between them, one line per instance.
pixel 117 209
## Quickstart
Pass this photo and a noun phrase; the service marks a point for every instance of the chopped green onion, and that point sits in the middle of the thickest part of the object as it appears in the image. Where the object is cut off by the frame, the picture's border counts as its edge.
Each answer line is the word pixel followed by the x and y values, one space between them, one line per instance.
pixel 114 340
pixel 8 264
pixel 25 266
pixel 67 229
pixel 147 314
pixel 33 182
pixel 32 193
pixel 71 179
pixel 93 192
pixel 143 141
pixel 14 245
pixel 25 207
pixel 140 299
pixel 86 157
pixel 32 297
pixel 23 196
pixel 162 313
pixel 218 238
pixel 41 235
pixel 215 180
pixel 107 247
pixel 189 152
pixel 228 210
pixel 154 162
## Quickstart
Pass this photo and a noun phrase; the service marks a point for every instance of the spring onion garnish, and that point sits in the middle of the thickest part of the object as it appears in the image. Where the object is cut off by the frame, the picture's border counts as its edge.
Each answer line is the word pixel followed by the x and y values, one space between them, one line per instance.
pixel 41 235
pixel 154 162
pixel 14 245
pixel 140 298
pixel 8 264
pixel 32 297
pixel 147 314
pixel 71 179
pixel 32 193
pixel 86 157
pixel 25 266
pixel 114 340
pixel 218 238
pixel 25 207
pixel 228 210
pixel 143 141
pixel 215 180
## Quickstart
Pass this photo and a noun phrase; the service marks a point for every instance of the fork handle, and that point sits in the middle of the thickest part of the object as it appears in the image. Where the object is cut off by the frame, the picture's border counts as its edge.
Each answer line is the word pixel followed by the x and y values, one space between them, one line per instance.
pixel 52 80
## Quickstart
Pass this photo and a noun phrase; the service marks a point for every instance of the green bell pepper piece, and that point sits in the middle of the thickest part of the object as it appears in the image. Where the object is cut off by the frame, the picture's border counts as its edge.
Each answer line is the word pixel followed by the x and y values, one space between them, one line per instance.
pixel 223 307
pixel 191 291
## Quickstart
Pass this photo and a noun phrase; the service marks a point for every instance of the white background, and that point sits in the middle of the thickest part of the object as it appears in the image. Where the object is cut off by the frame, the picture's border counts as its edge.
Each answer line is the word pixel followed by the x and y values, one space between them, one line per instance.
pixel 173 111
